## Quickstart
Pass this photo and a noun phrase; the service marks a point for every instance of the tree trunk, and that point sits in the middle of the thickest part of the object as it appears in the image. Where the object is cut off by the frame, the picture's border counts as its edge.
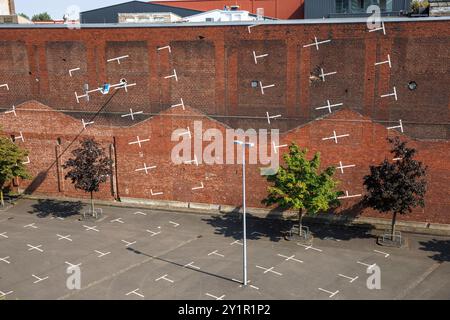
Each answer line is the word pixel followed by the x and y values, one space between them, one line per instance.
pixel 92 204
pixel 394 217
pixel 2 202
pixel 300 219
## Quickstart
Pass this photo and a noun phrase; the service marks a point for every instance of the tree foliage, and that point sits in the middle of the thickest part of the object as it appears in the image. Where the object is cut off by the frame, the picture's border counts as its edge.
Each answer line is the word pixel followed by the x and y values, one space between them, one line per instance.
pixel 11 163
pixel 90 166
pixel 300 185
pixel 44 16
pixel 396 187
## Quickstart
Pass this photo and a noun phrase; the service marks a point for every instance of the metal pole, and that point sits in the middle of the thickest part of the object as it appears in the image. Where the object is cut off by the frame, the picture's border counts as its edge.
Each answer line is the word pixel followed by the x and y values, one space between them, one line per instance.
pixel 243 217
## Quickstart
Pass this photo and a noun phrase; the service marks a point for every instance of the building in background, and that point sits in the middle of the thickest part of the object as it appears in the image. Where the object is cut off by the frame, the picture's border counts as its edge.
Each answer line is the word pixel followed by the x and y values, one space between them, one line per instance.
pixel 316 9
pixel 228 15
pixel 110 14
pixel 279 9
pixel 439 7
pixel 7 12
pixel 155 17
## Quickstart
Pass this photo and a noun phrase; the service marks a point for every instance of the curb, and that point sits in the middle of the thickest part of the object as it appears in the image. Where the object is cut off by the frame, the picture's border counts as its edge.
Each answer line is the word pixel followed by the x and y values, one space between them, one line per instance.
pixel 215 209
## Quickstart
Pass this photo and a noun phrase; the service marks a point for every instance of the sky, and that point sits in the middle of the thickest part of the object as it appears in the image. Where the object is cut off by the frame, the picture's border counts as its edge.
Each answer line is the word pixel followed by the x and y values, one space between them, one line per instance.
pixel 57 8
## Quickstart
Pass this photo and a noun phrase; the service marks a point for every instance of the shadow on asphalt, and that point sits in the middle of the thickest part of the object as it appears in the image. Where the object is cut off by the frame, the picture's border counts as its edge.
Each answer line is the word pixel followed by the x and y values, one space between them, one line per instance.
pixel 180 265
pixel 55 208
pixel 441 247
pixel 230 225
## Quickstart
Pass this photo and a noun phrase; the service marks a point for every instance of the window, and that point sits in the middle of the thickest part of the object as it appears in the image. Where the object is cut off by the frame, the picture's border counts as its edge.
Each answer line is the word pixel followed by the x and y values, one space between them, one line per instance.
pixel 209 19
pixel 360 6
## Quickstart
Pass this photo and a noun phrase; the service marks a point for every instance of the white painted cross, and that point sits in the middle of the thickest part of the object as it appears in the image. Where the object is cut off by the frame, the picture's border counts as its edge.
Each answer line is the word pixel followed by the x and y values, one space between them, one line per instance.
pixel 153 233
pixel 174 75
pixel 4 85
pixel 5 259
pixel 179 104
pixel 329 106
pixel 309 247
pixel 174 224
pixel 236 242
pixel 271 117
pixel 128 243
pixel 101 254
pixel 347 195
pixel 20 137
pixel 198 188
pixel 265 87
pixel 367 265
pixel 255 57
pixel 145 168
pixel 72 70
pixel 135 291
pixel 215 297
pixel 38 247
pixel 391 94
pixel 132 114
pixel 191 265
pixel 119 220
pixel 118 59
pixel 380 28
pixel 39 279
pixel 60 237
pixel 347 277
pixel 156 193
pixel 166 47
pixel 342 167
pixel 31 225
pixel 3 294
pixel 332 294
pixel 400 126
pixel 85 124
pixel 28 161
pixel 3 234
pixel 138 141
pixel 323 75
pixel 335 137
pixel 290 258
pixel 71 265
pixel 141 213
pixel 164 277
pixel 269 270
pixel 13 110
pixel 248 283
pixel 316 43
pixel 216 254
pixel 275 148
pixel 94 228
pixel 388 61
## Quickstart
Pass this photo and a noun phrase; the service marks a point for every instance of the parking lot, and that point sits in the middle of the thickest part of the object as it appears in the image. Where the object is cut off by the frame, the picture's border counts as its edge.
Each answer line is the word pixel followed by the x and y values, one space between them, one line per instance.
pixel 145 254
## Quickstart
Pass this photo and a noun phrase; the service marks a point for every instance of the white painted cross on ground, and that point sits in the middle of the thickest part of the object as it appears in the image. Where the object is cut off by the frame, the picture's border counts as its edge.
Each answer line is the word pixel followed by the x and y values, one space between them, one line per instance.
pixel 119 220
pixel 38 247
pixel 135 291
pixel 94 228
pixel 5 259
pixel 191 265
pixel 309 247
pixel 3 234
pixel 290 258
pixel 323 74
pixel 128 243
pixel 269 270
pixel 383 253
pixel 60 237
pixel 215 297
pixel 31 225
pixel 164 277
pixel 347 277
pixel 39 279
pixel 132 114
pixel 101 254
pixel 216 254
pixel 332 294
pixel 153 233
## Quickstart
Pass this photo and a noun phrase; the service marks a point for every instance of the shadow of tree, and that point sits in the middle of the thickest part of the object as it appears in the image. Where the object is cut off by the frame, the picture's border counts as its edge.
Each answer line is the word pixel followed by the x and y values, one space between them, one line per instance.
pixel 56 208
pixel 36 183
pixel 273 228
pixel 441 247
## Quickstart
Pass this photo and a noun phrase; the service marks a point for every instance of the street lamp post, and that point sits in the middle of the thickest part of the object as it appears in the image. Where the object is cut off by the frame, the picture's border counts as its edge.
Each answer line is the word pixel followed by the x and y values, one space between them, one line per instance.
pixel 244 226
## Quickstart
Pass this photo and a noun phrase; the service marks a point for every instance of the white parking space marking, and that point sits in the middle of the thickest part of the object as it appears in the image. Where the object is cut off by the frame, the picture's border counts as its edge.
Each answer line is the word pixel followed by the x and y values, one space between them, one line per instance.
pixel 347 277
pixel 39 279
pixel 290 258
pixel 174 224
pixel 71 265
pixel 309 247
pixel 4 294
pixel 237 242
pixel 269 270
pixel 31 225
pixel 332 294
pixel 367 265
pixel 119 220
pixel 128 243
pixel 135 291
pixel 215 297
pixel 191 265
pixel 38 247
pixel 94 228
pixel 164 277
pixel 216 254
pixel 383 253
pixel 141 213
pixel 101 254
pixel 248 283
pixel 153 233
pixel 60 237
pixel 3 234
pixel 5 259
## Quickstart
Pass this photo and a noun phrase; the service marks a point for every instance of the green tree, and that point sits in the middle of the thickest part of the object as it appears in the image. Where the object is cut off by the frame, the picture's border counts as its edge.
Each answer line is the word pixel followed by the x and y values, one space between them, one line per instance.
pixel 11 164
pixel 89 168
pixel 24 15
pixel 299 185
pixel 44 16
pixel 396 187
